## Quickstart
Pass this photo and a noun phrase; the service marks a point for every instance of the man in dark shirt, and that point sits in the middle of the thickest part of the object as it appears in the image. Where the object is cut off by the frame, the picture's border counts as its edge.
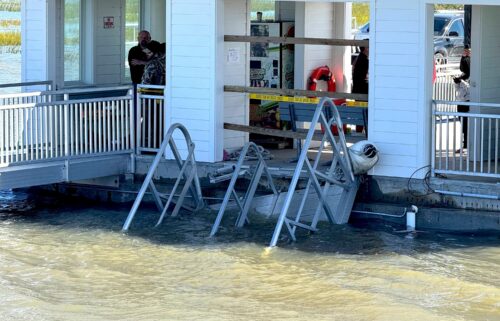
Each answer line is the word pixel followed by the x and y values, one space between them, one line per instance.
pixel 360 73
pixel 137 58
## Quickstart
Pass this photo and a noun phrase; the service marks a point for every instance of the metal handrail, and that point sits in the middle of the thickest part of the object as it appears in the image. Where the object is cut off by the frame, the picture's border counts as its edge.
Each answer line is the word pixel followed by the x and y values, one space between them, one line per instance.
pixel 191 180
pixel 451 130
pixel 244 204
pixel 69 91
pixel 49 83
pixel 467 103
pixel 46 131
pixel 341 160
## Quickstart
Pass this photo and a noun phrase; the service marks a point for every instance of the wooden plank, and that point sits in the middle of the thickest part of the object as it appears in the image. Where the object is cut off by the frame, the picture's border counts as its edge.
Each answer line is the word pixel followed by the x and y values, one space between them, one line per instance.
pixel 298 41
pixel 271 132
pixel 295 92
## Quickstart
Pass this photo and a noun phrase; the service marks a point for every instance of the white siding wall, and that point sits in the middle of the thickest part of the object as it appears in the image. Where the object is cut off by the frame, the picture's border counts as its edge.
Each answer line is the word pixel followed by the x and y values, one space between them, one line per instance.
pixel 341 64
pixel 489 25
pixel 34 40
pixel 109 56
pixel 194 78
pixel 395 96
pixel 236 22
pixel 488 70
pixel 313 20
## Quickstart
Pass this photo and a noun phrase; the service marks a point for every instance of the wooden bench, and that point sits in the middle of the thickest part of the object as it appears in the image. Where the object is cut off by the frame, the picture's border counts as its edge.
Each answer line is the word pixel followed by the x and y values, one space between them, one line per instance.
pixel 300 112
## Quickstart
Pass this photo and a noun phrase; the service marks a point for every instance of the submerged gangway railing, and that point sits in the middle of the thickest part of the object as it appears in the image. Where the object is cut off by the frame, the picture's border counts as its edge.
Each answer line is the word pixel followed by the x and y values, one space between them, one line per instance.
pixel 187 178
pixel 62 127
pixel 330 190
pixel 466 143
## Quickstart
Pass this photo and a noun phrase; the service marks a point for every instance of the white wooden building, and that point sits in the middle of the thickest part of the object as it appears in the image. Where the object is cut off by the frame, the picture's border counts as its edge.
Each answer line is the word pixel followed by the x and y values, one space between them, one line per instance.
pixel 400 75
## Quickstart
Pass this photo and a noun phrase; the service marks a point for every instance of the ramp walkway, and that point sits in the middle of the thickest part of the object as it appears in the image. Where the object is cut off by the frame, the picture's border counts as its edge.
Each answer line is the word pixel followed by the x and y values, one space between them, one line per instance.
pixel 52 136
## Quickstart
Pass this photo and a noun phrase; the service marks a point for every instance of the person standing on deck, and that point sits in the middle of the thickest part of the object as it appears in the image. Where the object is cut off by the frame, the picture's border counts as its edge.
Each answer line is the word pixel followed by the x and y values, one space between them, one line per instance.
pixel 463 82
pixel 360 76
pixel 154 72
pixel 137 57
pixel 360 73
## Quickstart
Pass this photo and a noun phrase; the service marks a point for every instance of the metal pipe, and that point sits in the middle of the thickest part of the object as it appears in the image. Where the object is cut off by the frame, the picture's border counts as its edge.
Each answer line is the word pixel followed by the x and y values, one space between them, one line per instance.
pixel 380 214
pixel 483 196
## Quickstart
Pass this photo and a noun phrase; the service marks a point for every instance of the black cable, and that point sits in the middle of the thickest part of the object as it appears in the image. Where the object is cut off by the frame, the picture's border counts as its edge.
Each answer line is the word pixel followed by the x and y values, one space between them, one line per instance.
pixel 426 181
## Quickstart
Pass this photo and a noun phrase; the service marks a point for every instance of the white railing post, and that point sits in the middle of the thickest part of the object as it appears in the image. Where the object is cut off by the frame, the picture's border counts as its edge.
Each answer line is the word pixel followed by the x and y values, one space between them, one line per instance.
pixel 433 140
pixel 66 130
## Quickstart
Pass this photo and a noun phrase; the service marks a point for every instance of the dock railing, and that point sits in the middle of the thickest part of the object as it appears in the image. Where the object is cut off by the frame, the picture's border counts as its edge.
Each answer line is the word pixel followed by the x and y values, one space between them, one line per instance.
pixel 29 86
pixel 466 143
pixel 57 125
pixel 150 118
pixel 444 87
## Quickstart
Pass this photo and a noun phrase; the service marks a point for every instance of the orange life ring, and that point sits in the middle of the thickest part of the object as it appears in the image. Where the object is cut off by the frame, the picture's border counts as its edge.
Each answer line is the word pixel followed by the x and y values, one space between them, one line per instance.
pixel 322 73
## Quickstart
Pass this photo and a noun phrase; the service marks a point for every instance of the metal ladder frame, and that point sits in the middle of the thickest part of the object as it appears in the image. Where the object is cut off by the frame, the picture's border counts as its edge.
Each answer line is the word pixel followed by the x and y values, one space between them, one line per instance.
pixel 188 172
pixel 341 161
pixel 244 203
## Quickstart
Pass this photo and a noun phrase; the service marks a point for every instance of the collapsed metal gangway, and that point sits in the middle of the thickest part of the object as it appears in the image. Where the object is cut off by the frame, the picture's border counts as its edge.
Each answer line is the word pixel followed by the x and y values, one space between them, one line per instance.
pixel 187 178
pixel 245 202
pixel 340 173
pixel 330 190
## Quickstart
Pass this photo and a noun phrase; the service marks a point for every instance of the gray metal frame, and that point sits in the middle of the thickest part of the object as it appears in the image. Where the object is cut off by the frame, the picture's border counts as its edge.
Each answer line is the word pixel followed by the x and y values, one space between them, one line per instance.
pixel 339 173
pixel 245 202
pixel 188 173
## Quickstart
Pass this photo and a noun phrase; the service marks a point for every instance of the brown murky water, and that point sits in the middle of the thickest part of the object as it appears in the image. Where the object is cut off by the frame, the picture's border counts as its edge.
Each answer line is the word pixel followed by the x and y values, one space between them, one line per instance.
pixel 72 263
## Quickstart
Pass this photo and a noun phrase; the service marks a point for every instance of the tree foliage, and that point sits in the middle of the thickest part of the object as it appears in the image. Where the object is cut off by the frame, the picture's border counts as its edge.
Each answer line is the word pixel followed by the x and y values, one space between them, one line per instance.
pixel 448 7
pixel 10 5
pixel 361 11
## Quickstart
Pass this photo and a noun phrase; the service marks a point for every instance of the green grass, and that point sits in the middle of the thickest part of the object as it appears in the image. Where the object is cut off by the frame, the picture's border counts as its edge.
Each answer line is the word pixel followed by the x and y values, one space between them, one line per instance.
pixel 10 50
pixel 361 11
pixel 448 7
pixel 10 23
pixel 9 5
pixel 10 38
pixel 263 5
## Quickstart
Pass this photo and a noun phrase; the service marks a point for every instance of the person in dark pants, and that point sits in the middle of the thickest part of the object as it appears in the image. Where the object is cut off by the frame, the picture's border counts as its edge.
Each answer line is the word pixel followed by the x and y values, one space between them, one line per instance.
pixel 360 76
pixel 360 73
pixel 465 69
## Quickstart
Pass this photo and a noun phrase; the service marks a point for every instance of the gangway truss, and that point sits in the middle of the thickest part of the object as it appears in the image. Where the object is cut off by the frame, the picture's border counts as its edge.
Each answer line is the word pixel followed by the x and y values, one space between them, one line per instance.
pixel 188 176
pixel 330 190
pixel 244 203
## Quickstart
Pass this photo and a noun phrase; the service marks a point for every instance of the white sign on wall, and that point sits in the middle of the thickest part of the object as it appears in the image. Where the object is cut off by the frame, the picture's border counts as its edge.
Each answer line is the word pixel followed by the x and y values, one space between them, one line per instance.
pixel 233 55
pixel 109 22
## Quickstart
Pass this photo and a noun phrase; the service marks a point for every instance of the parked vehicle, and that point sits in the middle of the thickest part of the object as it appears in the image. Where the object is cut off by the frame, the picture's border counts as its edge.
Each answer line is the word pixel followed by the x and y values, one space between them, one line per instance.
pixel 363 32
pixel 448 36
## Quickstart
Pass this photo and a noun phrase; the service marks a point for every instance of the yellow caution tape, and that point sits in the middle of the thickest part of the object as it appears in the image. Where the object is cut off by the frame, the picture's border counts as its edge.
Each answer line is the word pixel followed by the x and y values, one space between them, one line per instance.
pixel 286 99
pixel 150 91
pixel 354 103
pixel 305 100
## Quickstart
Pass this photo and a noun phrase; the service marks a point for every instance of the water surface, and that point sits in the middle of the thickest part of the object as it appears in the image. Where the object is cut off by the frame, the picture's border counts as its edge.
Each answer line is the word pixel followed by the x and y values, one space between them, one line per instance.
pixel 71 262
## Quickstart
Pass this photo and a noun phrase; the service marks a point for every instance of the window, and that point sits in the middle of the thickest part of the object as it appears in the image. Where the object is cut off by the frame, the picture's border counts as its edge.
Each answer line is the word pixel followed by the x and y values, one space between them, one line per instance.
pixel 457 27
pixel 440 25
pixel 132 14
pixel 72 27
pixel 266 9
